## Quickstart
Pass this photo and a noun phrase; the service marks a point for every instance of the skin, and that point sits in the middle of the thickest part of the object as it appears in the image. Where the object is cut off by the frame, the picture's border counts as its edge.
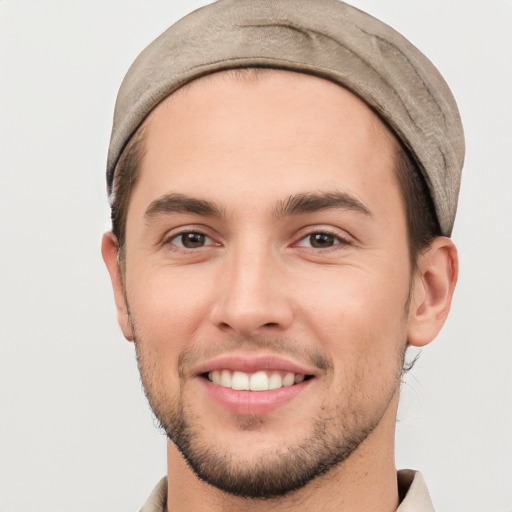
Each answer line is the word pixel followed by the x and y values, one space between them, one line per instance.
pixel 258 287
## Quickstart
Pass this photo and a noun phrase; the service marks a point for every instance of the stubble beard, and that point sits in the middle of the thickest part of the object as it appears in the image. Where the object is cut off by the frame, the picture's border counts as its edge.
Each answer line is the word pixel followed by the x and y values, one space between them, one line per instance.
pixel 331 440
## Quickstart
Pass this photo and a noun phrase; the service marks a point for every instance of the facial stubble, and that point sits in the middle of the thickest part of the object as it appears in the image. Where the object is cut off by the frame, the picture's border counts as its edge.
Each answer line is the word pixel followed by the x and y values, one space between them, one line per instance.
pixel 331 439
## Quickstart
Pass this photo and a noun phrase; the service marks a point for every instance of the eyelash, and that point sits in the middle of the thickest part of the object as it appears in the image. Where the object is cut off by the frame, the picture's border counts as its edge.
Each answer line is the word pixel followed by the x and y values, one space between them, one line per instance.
pixel 181 247
pixel 337 242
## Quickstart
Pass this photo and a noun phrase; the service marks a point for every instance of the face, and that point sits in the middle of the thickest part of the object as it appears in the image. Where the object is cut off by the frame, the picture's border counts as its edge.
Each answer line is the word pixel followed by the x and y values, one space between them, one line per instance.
pixel 267 278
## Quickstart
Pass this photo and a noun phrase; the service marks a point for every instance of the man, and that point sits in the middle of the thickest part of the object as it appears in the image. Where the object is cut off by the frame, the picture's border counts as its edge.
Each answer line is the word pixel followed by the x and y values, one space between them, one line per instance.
pixel 283 178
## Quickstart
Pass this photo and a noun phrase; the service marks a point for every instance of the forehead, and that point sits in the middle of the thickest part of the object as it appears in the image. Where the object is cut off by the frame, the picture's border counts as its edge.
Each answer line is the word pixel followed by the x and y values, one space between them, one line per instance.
pixel 266 129
pixel 248 86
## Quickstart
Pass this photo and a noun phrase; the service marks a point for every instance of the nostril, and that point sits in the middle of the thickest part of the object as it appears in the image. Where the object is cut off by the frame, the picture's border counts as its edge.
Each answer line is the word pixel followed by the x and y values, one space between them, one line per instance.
pixel 270 324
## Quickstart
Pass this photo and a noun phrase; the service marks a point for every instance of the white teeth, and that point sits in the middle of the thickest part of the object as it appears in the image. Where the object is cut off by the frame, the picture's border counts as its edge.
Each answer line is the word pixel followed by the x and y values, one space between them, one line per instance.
pixel 240 381
pixel 289 379
pixel 215 377
pixel 225 378
pixel 258 381
pixel 275 381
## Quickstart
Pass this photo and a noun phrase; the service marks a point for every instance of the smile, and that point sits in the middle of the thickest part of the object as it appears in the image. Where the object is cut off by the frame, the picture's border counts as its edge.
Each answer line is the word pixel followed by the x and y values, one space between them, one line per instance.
pixel 258 381
pixel 254 384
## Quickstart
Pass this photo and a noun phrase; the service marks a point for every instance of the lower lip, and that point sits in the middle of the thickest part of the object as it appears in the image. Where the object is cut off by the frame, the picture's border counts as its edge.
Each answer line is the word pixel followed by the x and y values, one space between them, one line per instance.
pixel 254 402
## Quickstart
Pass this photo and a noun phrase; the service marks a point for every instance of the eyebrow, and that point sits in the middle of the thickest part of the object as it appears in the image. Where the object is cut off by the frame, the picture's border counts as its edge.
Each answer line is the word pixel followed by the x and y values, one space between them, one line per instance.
pixel 317 201
pixel 180 203
pixel 294 205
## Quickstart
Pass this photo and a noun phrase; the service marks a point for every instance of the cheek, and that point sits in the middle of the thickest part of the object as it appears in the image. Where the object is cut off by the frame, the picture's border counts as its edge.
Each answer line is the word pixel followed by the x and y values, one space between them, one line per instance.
pixel 167 307
pixel 361 326
pixel 358 314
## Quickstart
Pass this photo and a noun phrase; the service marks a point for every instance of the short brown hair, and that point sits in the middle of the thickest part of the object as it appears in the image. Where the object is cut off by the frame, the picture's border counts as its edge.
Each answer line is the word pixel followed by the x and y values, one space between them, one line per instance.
pixel 126 175
pixel 422 223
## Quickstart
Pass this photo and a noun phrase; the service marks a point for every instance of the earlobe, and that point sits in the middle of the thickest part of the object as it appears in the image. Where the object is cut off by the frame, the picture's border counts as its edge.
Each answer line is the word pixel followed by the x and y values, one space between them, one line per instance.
pixel 110 251
pixel 432 292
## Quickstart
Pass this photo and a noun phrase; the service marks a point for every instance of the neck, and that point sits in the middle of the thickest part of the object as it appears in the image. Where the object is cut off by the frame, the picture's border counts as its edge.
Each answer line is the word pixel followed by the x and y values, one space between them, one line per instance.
pixel 365 482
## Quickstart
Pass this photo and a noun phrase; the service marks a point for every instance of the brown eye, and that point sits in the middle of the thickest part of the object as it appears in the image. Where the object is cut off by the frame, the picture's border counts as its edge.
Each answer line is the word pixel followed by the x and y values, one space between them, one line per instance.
pixel 321 240
pixel 190 240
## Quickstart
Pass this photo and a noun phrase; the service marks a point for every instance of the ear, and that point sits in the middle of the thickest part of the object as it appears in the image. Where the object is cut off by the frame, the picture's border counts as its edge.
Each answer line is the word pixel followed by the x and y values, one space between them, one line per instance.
pixel 433 286
pixel 110 251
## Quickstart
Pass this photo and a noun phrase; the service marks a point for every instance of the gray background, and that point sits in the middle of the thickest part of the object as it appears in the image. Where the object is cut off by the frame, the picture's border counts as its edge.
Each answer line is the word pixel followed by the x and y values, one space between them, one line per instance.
pixel 75 431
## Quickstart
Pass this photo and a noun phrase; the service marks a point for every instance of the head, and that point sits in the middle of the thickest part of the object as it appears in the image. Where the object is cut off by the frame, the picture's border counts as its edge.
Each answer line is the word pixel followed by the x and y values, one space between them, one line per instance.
pixel 274 251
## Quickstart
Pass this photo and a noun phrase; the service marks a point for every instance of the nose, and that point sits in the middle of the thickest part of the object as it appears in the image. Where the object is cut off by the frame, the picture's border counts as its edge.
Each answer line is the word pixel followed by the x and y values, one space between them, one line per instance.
pixel 252 295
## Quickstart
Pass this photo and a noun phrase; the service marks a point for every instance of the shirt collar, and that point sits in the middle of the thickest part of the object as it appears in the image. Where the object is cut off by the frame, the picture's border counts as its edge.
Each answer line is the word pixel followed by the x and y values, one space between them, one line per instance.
pixel 414 496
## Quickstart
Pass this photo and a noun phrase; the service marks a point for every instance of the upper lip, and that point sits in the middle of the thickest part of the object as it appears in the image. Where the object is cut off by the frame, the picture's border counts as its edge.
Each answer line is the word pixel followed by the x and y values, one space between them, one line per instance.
pixel 253 363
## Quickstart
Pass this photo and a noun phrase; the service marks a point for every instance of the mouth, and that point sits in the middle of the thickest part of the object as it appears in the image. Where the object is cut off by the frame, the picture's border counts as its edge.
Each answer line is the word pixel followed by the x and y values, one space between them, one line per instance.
pixel 250 384
pixel 262 380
